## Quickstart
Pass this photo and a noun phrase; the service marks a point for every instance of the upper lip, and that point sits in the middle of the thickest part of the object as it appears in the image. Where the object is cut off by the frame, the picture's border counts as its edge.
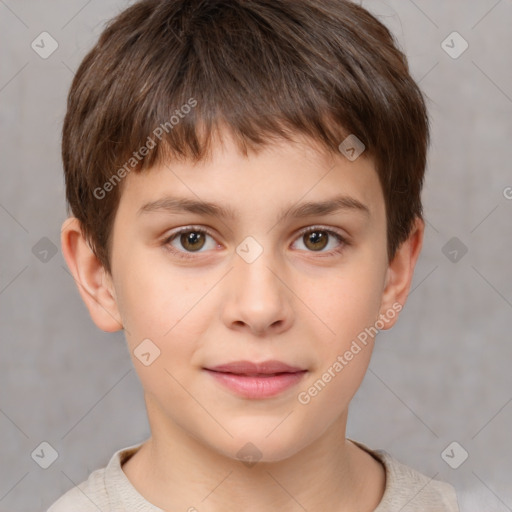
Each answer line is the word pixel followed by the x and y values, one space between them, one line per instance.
pixel 250 368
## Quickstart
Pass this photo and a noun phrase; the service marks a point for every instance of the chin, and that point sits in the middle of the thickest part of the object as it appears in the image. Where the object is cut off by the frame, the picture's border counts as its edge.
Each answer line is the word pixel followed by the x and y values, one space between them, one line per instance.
pixel 254 447
pixel 272 439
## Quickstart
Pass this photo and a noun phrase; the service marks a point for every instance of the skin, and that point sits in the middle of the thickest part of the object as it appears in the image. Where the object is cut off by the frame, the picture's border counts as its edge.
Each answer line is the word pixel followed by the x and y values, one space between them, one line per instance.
pixel 294 303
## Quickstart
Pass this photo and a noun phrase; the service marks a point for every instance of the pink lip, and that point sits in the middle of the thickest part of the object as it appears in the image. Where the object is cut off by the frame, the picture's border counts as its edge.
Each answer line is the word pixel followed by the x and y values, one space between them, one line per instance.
pixel 250 368
pixel 256 380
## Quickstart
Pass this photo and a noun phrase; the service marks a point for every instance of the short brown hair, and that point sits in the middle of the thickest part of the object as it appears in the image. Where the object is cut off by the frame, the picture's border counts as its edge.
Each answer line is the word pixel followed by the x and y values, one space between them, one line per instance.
pixel 264 69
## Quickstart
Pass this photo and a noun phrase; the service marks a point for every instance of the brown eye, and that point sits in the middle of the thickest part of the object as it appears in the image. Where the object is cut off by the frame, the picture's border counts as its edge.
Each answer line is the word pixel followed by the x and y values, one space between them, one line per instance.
pixel 189 242
pixel 325 242
pixel 316 240
pixel 192 240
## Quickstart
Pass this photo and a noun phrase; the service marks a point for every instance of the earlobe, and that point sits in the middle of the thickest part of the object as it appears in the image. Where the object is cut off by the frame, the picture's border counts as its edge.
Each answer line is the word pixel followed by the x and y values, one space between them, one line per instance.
pixel 94 283
pixel 400 273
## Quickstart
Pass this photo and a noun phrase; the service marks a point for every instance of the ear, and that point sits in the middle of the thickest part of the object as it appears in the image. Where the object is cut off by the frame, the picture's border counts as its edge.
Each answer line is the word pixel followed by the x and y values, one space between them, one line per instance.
pixel 93 281
pixel 399 274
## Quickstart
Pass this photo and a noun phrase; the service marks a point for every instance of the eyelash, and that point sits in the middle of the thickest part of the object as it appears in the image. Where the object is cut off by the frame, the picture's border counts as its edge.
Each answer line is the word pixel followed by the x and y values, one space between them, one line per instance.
pixel 196 229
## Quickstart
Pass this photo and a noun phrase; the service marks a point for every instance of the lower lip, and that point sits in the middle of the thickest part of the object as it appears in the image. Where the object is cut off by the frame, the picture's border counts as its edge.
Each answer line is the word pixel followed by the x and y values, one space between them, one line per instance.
pixel 257 387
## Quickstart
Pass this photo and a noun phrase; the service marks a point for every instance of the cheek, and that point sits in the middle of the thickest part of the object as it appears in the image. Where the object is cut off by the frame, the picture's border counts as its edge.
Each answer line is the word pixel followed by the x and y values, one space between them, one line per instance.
pixel 165 307
pixel 151 300
pixel 348 303
pixel 341 358
pixel 160 312
pixel 348 307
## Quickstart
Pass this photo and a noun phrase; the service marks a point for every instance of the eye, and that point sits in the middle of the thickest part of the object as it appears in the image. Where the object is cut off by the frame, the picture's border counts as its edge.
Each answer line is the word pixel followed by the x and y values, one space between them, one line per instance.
pixel 316 239
pixel 187 241
pixel 191 239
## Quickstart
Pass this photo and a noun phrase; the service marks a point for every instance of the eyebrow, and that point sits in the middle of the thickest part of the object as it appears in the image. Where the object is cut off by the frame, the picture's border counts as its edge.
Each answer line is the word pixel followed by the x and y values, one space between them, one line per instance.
pixel 307 209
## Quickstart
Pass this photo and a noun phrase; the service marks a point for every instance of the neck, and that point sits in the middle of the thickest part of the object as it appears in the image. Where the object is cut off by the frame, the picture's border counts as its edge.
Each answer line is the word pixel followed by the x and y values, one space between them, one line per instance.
pixel 176 471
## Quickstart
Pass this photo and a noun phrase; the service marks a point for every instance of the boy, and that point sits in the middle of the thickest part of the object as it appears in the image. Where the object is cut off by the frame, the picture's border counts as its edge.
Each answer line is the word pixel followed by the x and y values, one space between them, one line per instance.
pixel 244 178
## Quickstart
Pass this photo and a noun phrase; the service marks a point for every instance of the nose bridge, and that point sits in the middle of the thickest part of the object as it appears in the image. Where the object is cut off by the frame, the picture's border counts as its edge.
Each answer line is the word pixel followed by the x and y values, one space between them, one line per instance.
pixel 257 296
pixel 254 272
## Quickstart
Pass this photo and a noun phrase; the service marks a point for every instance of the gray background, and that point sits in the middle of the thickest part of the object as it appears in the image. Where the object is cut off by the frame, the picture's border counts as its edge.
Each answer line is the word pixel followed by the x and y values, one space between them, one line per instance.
pixel 441 375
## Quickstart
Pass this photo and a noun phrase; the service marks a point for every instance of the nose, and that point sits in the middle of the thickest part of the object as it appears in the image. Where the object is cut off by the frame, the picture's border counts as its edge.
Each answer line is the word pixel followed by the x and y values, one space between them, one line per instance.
pixel 257 298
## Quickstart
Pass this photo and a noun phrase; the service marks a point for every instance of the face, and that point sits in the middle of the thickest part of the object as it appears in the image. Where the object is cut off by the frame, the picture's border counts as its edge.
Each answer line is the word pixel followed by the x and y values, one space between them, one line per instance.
pixel 291 267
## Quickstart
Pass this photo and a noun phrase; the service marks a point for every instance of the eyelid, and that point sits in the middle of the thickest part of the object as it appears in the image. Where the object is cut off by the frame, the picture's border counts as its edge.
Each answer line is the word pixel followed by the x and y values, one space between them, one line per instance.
pixel 328 229
pixel 191 227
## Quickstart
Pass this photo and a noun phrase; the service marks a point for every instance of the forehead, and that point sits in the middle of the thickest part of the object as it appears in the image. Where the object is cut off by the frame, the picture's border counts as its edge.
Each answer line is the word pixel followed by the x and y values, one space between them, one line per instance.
pixel 282 172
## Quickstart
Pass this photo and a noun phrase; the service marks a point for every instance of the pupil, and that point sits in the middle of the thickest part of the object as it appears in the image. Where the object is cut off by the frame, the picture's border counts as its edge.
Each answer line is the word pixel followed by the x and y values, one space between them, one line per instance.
pixel 190 240
pixel 317 237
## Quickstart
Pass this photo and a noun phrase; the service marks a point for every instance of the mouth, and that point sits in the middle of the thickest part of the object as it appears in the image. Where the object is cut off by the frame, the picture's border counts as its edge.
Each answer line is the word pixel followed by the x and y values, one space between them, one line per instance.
pixel 256 369
pixel 256 380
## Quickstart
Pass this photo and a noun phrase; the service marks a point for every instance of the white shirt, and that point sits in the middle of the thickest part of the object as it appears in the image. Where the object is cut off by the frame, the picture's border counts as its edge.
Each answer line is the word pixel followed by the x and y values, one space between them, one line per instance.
pixel 109 490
